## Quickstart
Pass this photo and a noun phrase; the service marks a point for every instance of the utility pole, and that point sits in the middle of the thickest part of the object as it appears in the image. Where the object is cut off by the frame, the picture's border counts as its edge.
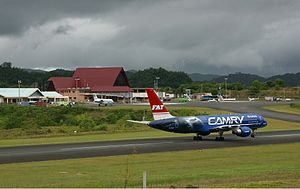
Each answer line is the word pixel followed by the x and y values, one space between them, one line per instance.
pixel 19 85
pixel 226 86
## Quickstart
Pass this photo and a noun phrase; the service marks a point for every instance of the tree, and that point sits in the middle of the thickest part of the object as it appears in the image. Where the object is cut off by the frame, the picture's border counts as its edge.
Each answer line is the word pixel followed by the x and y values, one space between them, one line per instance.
pixel 279 84
pixel 146 78
pixel 255 87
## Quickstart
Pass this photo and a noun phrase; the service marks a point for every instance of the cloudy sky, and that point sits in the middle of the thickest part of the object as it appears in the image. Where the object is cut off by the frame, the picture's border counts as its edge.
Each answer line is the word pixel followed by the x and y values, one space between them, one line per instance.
pixel 204 36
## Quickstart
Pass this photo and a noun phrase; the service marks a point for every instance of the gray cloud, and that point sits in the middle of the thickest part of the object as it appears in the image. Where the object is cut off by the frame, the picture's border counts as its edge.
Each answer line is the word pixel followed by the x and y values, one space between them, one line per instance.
pixel 207 36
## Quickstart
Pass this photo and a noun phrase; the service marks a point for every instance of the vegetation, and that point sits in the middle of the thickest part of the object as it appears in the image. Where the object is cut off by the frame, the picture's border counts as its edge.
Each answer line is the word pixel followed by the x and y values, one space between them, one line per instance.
pixel 256 166
pixel 18 121
pixel 146 78
pixel 289 79
pixel 9 77
pixel 291 109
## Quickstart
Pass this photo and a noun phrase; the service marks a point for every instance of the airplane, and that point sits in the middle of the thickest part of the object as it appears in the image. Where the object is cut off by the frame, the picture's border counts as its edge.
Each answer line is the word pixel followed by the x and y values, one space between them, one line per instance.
pixel 103 101
pixel 242 125
pixel 253 99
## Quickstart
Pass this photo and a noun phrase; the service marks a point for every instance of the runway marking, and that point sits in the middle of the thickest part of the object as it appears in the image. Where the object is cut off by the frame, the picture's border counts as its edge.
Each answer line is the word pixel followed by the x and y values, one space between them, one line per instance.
pixel 112 146
pixel 284 135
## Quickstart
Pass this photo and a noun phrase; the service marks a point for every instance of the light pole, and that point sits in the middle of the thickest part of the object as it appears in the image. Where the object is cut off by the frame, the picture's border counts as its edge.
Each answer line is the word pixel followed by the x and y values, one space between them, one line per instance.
pixel 19 85
pixel 156 82
pixel 226 86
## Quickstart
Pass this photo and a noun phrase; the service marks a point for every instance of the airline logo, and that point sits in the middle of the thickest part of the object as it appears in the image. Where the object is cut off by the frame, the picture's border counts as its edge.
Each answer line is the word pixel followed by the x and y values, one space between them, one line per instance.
pixel 225 120
pixel 157 107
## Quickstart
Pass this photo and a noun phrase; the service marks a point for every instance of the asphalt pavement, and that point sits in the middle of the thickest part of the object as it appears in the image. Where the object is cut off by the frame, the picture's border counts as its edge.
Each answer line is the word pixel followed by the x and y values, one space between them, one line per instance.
pixel 113 148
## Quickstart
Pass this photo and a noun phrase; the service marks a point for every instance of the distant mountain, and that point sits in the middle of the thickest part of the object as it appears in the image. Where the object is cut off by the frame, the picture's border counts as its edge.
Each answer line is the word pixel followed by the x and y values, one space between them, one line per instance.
pixel 289 79
pixel 34 70
pixel 244 78
pixel 203 77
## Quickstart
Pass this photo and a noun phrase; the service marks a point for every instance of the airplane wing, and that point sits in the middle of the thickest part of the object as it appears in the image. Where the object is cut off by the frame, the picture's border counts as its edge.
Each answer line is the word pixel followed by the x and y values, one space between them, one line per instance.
pixel 141 122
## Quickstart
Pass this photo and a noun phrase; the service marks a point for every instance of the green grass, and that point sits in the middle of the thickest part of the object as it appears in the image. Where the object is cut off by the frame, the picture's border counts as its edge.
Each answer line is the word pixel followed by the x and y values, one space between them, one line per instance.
pixel 279 125
pixel 256 166
pixel 283 108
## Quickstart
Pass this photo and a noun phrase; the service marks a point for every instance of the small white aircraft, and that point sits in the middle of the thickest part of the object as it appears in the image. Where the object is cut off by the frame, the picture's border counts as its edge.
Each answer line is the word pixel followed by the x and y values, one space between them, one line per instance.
pixel 103 101
pixel 253 99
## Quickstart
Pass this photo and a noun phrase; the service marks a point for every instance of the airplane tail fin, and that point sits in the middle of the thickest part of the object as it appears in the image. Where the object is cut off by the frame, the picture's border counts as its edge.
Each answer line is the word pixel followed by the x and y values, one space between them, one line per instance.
pixel 95 96
pixel 159 111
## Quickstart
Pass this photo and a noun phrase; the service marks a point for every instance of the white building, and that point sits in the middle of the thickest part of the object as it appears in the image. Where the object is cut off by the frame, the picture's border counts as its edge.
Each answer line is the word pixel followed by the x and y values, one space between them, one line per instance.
pixel 54 97
pixel 14 95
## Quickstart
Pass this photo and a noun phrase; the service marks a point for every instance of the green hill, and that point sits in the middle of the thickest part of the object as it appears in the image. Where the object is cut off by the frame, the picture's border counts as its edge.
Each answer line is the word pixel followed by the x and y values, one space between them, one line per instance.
pixel 9 77
pixel 146 78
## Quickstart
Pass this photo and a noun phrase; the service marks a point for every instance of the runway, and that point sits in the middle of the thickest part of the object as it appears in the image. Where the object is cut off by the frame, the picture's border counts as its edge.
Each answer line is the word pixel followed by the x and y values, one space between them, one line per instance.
pixel 249 107
pixel 112 148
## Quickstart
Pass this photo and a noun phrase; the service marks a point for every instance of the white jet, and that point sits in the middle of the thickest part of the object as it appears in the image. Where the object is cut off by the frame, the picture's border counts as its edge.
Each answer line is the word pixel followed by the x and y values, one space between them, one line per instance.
pixel 103 101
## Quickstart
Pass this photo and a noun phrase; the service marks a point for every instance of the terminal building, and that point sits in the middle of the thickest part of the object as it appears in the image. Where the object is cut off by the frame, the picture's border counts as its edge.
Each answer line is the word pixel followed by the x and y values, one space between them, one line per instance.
pixel 31 95
pixel 106 82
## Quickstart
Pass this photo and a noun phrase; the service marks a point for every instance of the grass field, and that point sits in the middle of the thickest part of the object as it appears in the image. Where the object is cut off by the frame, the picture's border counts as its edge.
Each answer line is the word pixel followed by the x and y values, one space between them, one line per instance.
pixel 256 166
pixel 284 109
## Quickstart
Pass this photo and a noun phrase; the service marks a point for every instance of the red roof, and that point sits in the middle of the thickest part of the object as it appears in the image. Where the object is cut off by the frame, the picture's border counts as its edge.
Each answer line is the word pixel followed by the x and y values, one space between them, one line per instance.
pixel 62 82
pixel 98 79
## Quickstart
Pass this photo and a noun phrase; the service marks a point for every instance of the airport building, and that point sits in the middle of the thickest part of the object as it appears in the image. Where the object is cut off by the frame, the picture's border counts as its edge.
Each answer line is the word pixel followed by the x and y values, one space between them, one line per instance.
pixel 107 82
pixel 30 95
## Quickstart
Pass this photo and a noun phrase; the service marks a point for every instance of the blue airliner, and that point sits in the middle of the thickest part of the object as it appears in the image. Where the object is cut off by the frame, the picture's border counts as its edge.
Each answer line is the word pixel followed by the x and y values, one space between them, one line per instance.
pixel 242 125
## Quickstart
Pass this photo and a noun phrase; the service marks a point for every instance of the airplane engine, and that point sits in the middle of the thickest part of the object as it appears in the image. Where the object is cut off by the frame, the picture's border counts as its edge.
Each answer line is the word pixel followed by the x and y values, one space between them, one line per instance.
pixel 243 132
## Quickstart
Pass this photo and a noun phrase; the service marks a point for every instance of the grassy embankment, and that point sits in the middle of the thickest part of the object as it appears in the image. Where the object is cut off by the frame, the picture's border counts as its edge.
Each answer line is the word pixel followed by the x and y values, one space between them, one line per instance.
pixel 111 121
pixel 256 166
pixel 291 109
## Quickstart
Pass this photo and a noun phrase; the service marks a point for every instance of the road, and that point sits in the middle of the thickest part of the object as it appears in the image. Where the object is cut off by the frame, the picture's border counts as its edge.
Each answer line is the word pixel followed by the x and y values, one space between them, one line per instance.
pixel 248 107
pixel 112 148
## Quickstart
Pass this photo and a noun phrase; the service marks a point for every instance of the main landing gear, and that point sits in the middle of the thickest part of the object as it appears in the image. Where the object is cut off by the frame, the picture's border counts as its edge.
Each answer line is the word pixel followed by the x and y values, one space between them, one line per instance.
pixel 198 137
pixel 220 137
pixel 253 133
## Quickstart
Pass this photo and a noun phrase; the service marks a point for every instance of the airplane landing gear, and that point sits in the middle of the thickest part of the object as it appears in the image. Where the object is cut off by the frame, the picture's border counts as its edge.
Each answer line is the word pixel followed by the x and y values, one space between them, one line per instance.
pixel 220 137
pixel 198 137
pixel 253 133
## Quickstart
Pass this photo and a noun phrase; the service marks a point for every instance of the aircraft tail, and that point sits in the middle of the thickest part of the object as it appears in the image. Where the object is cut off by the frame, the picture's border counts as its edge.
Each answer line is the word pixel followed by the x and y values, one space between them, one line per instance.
pixel 95 97
pixel 159 111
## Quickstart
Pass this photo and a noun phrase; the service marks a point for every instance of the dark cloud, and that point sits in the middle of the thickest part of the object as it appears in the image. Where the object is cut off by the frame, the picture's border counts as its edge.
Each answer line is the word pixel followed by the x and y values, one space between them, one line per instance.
pixel 63 29
pixel 207 36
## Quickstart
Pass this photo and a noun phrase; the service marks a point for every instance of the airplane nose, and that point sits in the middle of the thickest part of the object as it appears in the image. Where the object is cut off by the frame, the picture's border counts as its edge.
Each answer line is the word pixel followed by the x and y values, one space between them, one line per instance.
pixel 264 122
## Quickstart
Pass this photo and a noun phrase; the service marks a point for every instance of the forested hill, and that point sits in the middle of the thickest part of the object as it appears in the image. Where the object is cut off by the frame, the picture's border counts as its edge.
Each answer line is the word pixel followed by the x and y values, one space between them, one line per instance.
pixel 9 77
pixel 289 79
pixel 203 77
pixel 146 78
pixel 243 78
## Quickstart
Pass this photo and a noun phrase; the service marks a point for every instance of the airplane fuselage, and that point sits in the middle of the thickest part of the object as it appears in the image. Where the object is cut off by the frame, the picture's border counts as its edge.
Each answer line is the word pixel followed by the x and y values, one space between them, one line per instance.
pixel 205 125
